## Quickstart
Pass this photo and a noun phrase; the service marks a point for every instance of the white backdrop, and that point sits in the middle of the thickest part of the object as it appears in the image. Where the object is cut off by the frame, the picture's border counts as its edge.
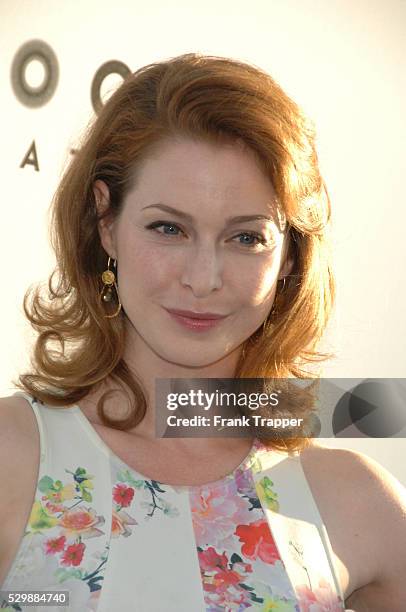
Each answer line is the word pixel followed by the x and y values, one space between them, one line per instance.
pixel 342 61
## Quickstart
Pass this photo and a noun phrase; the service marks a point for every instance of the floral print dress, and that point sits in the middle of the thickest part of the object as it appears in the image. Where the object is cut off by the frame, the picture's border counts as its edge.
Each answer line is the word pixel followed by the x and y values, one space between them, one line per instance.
pixel 116 540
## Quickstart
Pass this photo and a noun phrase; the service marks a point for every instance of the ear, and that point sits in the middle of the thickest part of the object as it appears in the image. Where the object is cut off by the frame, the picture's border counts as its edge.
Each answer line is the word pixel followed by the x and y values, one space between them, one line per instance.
pixel 105 226
pixel 286 269
pixel 287 259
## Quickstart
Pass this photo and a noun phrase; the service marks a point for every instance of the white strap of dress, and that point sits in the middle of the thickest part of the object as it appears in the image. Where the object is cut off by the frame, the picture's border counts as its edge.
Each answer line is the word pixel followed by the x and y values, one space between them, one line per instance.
pixel 298 530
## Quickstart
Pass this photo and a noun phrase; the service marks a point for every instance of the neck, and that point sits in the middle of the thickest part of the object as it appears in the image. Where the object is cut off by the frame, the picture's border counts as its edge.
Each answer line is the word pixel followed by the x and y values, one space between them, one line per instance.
pixel 147 366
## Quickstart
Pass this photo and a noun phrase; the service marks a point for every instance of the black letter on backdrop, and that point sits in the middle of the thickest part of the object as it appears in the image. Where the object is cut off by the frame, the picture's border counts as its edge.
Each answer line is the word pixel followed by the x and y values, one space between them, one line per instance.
pixel 31 157
pixel 112 67
pixel 27 94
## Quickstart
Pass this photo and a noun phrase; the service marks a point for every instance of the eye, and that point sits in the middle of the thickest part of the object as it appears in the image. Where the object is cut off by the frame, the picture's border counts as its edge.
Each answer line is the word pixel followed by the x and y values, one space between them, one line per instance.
pixel 165 224
pixel 249 237
pixel 251 240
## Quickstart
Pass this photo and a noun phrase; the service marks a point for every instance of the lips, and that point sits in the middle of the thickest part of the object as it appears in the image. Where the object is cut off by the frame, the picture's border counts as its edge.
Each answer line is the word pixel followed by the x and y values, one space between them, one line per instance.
pixel 196 315
pixel 196 321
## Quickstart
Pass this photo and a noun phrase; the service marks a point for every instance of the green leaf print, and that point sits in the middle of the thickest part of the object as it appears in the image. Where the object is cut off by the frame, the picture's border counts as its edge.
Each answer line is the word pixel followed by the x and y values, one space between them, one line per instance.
pixel 277 605
pixel 126 476
pixel 168 508
pixel 63 574
pixel 267 495
pixel 45 484
pixel 94 584
pixel 260 600
pixel 156 486
pixel 86 496
pixel 5 608
pixel 246 587
pixel 80 475
pixel 40 519
pixel 83 482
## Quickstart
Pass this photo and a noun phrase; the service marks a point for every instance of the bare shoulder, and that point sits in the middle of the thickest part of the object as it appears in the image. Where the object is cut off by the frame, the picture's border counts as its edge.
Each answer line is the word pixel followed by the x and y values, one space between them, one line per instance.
pixel 364 509
pixel 361 477
pixel 18 429
pixel 19 463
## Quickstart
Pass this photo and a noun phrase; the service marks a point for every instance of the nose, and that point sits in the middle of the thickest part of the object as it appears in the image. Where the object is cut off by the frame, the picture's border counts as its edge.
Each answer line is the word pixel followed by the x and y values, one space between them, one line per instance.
pixel 202 270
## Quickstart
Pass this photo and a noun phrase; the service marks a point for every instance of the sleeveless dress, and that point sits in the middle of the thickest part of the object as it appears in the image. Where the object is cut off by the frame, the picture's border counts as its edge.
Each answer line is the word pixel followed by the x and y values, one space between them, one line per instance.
pixel 117 540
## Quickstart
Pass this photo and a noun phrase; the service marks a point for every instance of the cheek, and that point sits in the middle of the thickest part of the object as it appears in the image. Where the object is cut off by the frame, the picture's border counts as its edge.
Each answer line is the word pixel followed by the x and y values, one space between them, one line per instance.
pixel 146 266
pixel 257 284
pixel 150 267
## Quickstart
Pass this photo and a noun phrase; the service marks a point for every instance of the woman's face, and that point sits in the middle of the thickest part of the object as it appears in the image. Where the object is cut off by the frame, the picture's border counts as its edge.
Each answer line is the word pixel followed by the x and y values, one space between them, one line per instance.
pixel 179 245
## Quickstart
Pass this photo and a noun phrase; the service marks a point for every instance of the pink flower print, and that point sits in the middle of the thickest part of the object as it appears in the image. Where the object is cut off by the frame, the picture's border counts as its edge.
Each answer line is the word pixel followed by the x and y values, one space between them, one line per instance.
pixel 73 554
pixel 245 484
pixel 321 599
pixel 80 521
pixel 234 599
pixel 215 513
pixel 257 541
pixel 54 545
pixel 123 495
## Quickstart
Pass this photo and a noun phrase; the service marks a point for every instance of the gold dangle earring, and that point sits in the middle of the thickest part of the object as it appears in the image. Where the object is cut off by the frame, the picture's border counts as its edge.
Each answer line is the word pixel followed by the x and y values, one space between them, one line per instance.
pixel 106 294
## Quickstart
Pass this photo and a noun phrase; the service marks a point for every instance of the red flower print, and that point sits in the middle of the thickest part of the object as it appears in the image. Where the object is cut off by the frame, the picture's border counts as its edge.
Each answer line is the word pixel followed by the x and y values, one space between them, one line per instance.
pixel 226 578
pixel 217 576
pixel 54 508
pixel 55 545
pixel 73 555
pixel 123 495
pixel 210 559
pixel 223 585
pixel 258 541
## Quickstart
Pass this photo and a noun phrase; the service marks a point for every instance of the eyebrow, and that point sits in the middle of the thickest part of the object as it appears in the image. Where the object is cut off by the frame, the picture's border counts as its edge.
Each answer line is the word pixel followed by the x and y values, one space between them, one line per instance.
pixel 187 217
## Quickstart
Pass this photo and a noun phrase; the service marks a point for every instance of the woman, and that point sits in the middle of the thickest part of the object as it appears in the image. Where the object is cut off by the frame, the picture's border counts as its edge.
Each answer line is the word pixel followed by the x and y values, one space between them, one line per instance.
pixel 190 234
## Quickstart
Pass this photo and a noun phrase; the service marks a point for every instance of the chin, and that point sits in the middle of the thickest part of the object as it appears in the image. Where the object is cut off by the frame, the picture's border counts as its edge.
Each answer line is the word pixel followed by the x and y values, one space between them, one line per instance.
pixel 191 361
pixel 191 358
